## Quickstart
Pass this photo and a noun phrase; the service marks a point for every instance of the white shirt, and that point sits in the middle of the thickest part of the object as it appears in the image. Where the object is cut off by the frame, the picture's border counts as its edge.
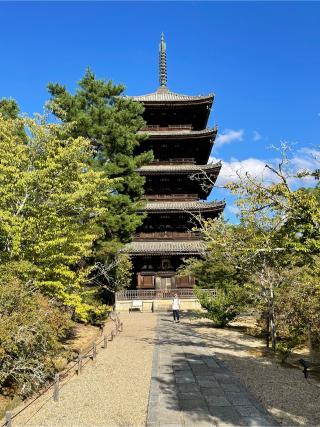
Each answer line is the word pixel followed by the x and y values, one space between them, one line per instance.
pixel 175 304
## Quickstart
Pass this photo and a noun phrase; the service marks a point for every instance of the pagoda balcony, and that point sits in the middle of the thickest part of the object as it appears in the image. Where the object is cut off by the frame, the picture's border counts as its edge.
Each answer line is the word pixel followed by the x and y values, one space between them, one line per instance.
pixel 172 197
pixel 167 235
pixel 166 128
pixel 175 161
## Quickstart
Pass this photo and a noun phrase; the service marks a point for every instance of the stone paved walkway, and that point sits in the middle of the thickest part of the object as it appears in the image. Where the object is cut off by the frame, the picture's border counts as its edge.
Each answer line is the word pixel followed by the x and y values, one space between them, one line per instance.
pixel 191 387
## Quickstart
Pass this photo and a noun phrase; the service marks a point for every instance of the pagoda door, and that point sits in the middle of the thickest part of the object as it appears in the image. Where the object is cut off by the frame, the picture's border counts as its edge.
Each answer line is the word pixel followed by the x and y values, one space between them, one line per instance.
pixel 165 283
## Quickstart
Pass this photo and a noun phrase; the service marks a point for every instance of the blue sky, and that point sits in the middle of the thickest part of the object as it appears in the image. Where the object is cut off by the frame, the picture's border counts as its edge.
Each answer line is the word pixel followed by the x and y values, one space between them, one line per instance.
pixel 260 58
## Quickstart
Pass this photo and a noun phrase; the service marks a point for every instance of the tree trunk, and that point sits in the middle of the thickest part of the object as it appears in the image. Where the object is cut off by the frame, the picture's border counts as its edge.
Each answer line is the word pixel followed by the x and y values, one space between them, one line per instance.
pixel 267 314
pixel 273 329
pixel 313 350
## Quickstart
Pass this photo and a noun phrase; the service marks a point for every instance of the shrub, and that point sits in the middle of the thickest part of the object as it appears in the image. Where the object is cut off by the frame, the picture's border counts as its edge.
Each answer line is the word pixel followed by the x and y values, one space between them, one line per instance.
pixel 222 308
pixel 31 330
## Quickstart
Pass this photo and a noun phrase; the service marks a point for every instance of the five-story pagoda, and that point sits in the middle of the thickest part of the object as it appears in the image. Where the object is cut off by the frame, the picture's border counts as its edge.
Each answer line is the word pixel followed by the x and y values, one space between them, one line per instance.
pixel 177 182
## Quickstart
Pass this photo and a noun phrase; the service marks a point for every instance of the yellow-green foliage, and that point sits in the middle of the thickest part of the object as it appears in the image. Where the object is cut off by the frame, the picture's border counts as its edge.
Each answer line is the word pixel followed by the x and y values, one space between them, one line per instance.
pixel 50 203
pixel 31 330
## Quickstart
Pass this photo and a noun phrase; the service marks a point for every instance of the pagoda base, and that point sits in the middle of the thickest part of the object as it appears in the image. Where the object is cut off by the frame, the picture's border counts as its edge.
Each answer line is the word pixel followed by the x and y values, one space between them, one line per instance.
pixel 156 300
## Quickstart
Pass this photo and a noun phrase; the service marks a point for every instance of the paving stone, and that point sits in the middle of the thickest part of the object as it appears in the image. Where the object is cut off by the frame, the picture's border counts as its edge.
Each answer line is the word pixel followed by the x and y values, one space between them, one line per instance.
pixel 204 369
pixel 230 387
pixel 163 388
pixel 188 387
pixel 226 415
pixel 181 367
pixel 212 391
pixel 193 405
pixel 257 422
pixel 196 419
pixel 185 380
pixel 224 378
pixel 248 411
pixel 204 376
pixel 217 401
pixel 184 373
pixel 207 382
pixel 190 395
pixel 238 398
pixel 169 417
pixel 196 363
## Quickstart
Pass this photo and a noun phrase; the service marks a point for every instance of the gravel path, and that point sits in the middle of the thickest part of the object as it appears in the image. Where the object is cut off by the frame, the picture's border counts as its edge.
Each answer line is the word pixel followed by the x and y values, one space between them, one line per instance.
pixel 283 391
pixel 112 391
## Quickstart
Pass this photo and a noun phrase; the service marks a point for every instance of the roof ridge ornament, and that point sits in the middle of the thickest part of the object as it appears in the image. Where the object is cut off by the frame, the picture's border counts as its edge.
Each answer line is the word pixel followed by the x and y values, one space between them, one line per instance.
pixel 162 62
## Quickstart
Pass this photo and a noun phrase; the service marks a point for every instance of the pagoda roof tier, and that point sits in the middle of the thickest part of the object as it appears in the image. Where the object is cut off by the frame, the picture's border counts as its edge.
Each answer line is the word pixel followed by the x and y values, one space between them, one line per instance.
pixel 182 143
pixel 165 108
pixel 142 248
pixel 183 133
pixel 177 169
pixel 188 206
pixel 164 96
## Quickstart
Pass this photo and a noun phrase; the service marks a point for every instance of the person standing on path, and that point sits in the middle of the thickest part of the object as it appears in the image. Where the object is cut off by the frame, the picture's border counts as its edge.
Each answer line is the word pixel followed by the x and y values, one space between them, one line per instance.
pixel 176 308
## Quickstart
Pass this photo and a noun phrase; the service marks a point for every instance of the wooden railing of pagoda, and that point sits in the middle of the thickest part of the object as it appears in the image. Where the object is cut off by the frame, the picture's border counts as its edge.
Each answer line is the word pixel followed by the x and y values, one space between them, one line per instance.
pixel 167 128
pixel 168 235
pixel 172 197
pixel 151 294
pixel 178 160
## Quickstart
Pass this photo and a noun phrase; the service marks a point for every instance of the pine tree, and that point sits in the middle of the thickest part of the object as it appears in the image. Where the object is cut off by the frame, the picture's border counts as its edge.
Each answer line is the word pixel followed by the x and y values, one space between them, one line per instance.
pixel 111 122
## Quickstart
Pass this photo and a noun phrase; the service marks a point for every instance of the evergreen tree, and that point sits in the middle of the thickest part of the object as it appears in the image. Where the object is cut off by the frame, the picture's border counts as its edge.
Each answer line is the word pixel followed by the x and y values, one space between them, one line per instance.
pixel 9 108
pixel 111 122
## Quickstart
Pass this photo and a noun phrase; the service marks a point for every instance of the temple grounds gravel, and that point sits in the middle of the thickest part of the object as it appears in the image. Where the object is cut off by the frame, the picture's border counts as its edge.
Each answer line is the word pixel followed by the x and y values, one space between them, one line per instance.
pixel 112 391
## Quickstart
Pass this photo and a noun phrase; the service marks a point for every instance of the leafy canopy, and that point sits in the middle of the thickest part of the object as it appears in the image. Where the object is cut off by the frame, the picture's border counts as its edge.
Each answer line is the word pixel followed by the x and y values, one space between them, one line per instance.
pixel 51 200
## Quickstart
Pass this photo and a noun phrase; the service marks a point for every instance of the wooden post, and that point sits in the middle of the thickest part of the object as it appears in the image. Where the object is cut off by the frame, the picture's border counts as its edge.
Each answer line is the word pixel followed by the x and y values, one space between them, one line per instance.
pixel 56 388
pixel 105 341
pixel 8 419
pixel 79 367
pixel 94 351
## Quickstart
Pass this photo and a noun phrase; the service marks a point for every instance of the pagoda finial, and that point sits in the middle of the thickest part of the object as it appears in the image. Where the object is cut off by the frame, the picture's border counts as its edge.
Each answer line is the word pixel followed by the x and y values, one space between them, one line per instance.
pixel 162 62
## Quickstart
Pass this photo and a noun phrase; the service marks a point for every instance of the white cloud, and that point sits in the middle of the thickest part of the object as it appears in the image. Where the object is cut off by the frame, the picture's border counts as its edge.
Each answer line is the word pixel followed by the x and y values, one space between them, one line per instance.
pixel 256 135
pixel 304 159
pixel 233 209
pixel 229 135
pixel 231 170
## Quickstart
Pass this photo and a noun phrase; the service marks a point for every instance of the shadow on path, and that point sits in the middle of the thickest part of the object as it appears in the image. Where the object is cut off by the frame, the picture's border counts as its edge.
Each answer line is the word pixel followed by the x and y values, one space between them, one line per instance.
pixel 192 387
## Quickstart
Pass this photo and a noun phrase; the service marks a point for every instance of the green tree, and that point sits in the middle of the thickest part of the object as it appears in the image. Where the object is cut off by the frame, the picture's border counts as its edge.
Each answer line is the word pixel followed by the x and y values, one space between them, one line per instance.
pixel 111 122
pixel 278 236
pixel 50 203
pixel 9 108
